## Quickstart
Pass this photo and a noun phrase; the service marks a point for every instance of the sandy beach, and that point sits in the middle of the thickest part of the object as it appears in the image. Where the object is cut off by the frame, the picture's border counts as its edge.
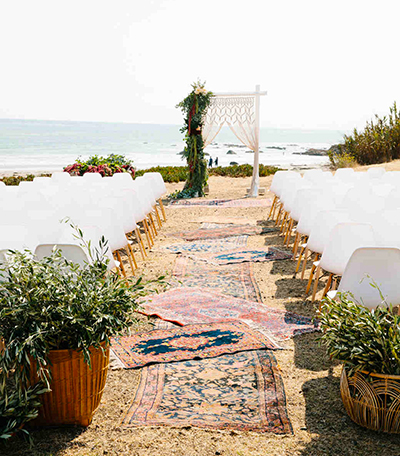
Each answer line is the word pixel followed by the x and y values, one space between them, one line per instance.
pixel 311 380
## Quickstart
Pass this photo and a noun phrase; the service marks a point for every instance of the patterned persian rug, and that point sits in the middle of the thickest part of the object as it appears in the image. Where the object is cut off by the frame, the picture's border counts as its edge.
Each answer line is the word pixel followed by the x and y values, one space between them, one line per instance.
pixel 188 342
pixel 189 306
pixel 221 232
pixel 241 255
pixel 220 219
pixel 234 279
pixel 246 202
pixel 217 245
pixel 243 391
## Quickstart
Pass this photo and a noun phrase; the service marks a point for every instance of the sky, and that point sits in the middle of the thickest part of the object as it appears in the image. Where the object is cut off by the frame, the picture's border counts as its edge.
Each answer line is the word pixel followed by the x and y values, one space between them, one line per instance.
pixel 325 64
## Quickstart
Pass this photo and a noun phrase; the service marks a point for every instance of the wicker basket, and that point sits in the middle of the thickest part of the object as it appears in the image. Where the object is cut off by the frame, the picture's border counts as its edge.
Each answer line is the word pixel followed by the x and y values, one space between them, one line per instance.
pixel 76 389
pixel 372 400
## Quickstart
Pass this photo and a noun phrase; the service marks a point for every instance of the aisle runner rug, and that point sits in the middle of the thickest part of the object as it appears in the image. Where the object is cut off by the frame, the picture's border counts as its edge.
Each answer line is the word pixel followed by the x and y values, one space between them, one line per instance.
pixel 188 342
pixel 217 245
pixel 220 219
pixel 241 255
pixel 246 202
pixel 235 279
pixel 243 391
pixel 115 361
pixel 221 232
pixel 188 306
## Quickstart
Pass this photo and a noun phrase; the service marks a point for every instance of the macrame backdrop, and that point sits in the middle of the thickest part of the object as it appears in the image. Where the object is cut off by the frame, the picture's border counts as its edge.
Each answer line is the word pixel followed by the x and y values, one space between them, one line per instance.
pixel 239 112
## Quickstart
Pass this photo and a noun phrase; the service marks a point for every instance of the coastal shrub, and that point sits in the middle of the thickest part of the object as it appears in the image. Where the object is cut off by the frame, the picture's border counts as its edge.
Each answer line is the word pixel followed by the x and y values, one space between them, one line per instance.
pixel 339 158
pixel 379 142
pixel 15 180
pixel 169 173
pixel 363 339
pixel 241 171
pixel 106 166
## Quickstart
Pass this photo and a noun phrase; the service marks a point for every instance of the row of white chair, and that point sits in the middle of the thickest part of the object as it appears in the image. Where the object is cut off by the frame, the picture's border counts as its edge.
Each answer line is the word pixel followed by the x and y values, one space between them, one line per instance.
pixel 336 215
pixel 111 207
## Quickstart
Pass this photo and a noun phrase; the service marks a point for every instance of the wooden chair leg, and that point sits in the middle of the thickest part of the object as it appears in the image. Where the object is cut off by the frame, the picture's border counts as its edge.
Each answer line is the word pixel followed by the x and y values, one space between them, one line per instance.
pixel 272 207
pixel 303 269
pixel 158 217
pixel 299 260
pixel 316 280
pixel 152 224
pixel 279 215
pixel 140 242
pixel 121 264
pixel 127 252
pixel 310 279
pixel 327 286
pixel 284 220
pixel 132 255
pixel 296 244
pixel 162 209
pixel 148 234
pixel 289 233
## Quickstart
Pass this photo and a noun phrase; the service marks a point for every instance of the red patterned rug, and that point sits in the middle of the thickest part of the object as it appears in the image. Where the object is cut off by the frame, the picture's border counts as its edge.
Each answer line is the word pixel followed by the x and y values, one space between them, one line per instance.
pixel 188 306
pixel 188 342
pixel 234 279
pixel 241 255
pixel 246 202
pixel 243 391
pixel 221 232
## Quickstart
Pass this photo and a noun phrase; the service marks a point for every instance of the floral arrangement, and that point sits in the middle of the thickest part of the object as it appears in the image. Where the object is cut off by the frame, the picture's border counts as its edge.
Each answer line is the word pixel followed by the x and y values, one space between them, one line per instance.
pixel 194 108
pixel 106 166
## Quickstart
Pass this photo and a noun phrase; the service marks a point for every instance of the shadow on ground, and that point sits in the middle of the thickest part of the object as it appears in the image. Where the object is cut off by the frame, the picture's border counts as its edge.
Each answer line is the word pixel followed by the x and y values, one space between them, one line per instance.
pixel 335 433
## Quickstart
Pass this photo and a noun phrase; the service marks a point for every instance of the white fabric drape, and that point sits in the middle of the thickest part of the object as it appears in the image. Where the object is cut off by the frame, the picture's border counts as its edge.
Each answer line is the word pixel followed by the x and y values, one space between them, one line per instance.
pixel 238 112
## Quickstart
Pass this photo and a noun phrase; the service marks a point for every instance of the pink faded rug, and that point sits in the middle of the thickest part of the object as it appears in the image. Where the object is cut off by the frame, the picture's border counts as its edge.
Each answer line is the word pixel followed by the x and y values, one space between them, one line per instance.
pixel 188 306
pixel 221 232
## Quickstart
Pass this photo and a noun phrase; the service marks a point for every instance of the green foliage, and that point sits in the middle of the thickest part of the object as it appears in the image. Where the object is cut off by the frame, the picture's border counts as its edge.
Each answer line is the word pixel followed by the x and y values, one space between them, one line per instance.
pixel 106 166
pixel 194 108
pixel 15 180
pixel 242 171
pixel 169 173
pixel 363 339
pixel 54 304
pixel 379 142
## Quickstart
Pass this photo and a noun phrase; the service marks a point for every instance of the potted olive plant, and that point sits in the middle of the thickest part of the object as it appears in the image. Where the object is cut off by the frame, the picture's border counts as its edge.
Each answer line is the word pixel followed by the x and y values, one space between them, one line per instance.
pixel 368 343
pixel 56 320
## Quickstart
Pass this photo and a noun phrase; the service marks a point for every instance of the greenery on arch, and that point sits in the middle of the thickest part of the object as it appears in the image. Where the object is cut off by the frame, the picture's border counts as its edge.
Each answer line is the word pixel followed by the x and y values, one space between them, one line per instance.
pixel 194 108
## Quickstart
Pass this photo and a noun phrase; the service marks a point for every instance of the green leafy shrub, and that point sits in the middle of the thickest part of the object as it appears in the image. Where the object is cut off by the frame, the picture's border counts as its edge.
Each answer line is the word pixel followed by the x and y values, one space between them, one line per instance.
pixel 363 339
pixel 51 304
pixel 379 142
pixel 242 171
pixel 339 158
pixel 15 180
pixel 169 173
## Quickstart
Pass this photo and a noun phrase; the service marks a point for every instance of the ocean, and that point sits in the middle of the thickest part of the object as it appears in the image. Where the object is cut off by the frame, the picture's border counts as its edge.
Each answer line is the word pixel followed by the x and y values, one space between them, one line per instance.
pixel 39 145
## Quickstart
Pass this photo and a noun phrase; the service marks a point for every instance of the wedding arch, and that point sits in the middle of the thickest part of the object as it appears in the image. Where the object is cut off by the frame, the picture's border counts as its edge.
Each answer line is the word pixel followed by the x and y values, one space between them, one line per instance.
pixel 241 112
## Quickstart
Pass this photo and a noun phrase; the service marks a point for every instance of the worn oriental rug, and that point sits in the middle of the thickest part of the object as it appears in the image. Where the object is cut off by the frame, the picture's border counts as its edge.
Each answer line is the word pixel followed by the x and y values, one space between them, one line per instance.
pixel 243 391
pixel 241 255
pixel 209 246
pixel 246 202
pixel 188 342
pixel 221 232
pixel 189 306
pixel 236 279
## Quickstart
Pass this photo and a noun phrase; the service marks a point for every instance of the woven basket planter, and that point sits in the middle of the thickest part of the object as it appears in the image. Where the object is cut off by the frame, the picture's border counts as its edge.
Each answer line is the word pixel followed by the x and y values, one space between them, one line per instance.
pixel 76 389
pixel 372 400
